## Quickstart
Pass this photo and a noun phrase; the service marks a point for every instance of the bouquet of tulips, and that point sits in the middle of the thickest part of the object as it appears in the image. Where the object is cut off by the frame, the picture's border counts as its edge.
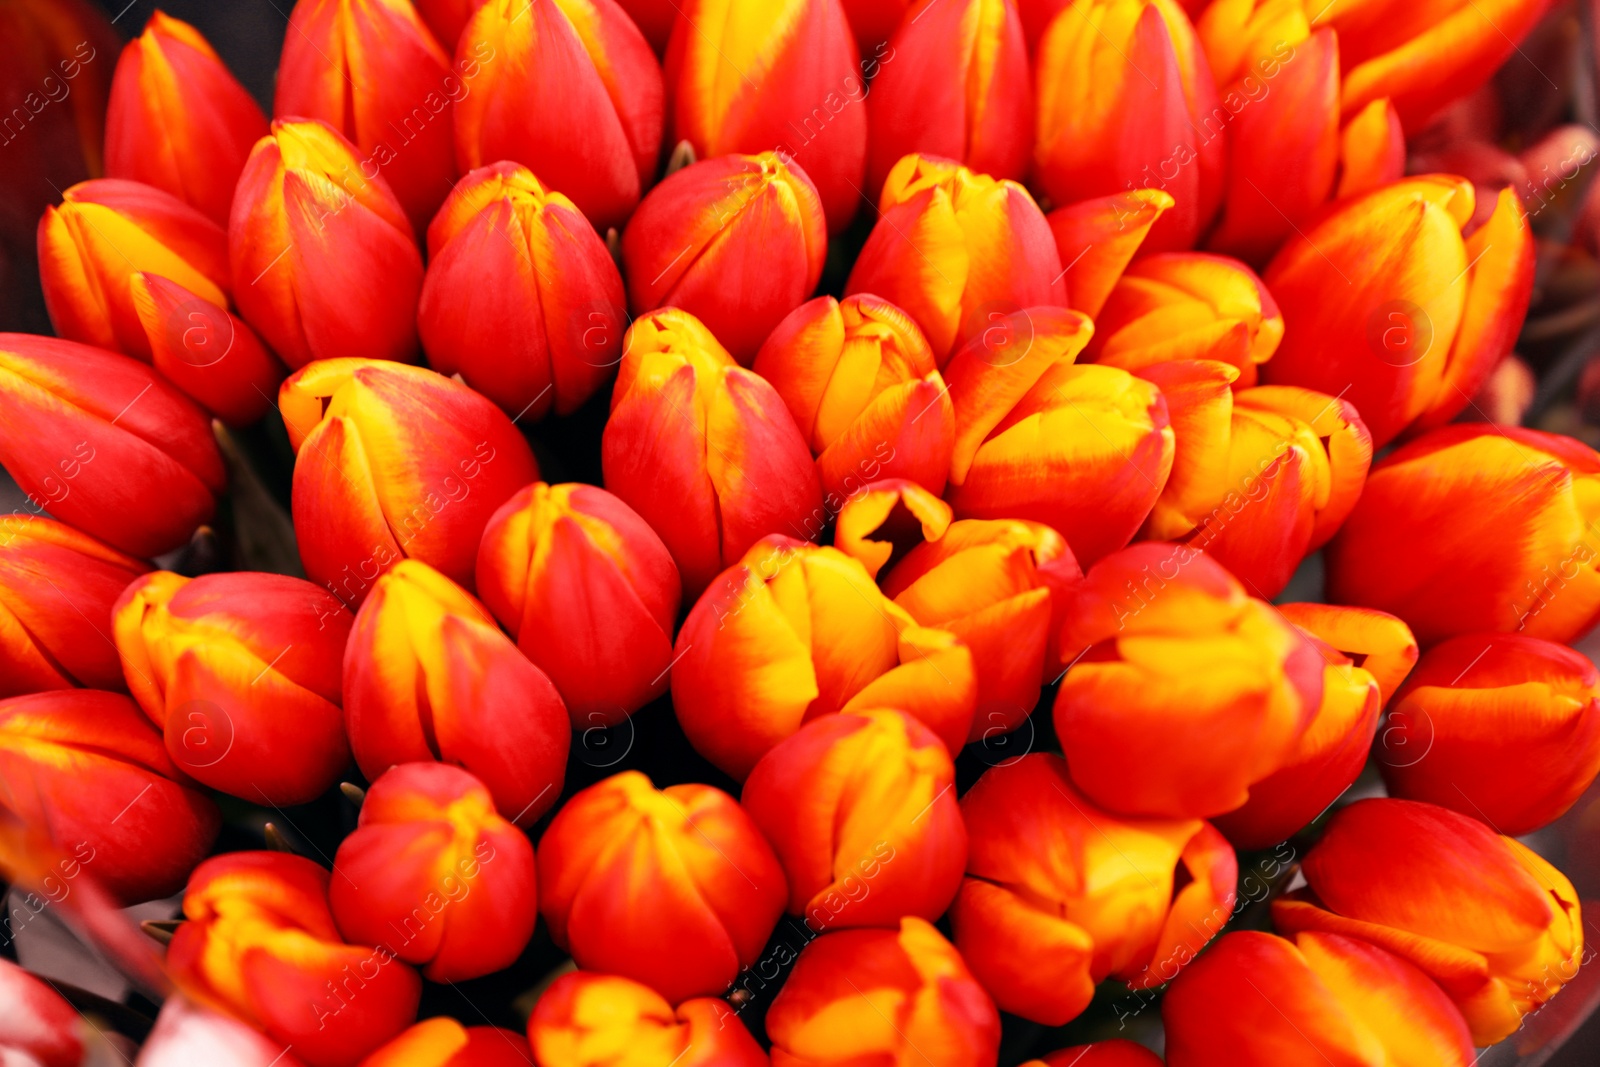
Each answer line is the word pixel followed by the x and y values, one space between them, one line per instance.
pixel 877 533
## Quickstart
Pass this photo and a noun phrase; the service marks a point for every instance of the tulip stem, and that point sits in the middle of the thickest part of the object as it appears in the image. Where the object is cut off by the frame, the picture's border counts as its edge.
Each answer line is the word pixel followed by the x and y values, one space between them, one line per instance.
pixel 353 793
pixel 276 839
pixel 161 930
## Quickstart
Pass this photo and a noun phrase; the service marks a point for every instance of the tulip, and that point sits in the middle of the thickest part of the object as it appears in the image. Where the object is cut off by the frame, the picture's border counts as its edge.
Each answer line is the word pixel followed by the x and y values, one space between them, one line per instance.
pixel 675 888
pixel 703 449
pixel 1476 528
pixel 1113 1053
pixel 260 941
pixel 443 1042
pixel 589 593
pixel 1097 238
pixel 1372 149
pixel 570 90
pixel 187 1033
pixel 655 19
pixel 858 377
pixel 887 519
pixel 1165 647
pixel 1508 727
pixel 958 251
pixel 602 1020
pixel 874 21
pixel 394 463
pixel 436 875
pixel 1100 61
pixel 241 673
pixel 758 75
pixel 1259 1001
pixel 1388 307
pixel 40 1027
pixel 862 812
pixel 447 19
pixel 1060 895
pixel 324 258
pixel 87 765
pixel 105 444
pixel 736 241
pixel 178 120
pixel 892 996
pixel 1494 924
pixel 429 676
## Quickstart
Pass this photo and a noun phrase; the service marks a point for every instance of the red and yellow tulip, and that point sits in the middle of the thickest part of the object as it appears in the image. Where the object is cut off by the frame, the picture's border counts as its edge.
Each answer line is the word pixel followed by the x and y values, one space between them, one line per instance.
pixel 1114 1053
pixel 1098 237
pixel 604 1020
pixel 443 1042
pixel 40 1026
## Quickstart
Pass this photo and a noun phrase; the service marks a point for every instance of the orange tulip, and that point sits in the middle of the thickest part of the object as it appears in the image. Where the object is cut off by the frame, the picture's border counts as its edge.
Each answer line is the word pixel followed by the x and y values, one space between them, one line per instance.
pixel 521 297
pixel 959 251
pixel 589 593
pixel 105 444
pixel 1097 238
pixel 178 120
pixel 443 1042
pixel 394 463
pixel 1387 306
pixel 1113 1053
pixel 1372 149
pixel 87 766
pixel 860 381
pixel 40 1026
pixel 892 996
pixel 433 873
pixel 736 241
pixel 429 676
pixel 675 888
pixel 1475 528
pixel 570 89
pixel 324 258
pixel 1494 924
pixel 1259 1001
pixel 260 940
pixel 703 449
pixel 1182 692
pixel 602 1020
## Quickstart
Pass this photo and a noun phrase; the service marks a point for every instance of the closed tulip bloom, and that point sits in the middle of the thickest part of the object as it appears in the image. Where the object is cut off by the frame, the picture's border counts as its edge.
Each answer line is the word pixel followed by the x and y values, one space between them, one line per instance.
pixel 178 120
pixel 521 297
pixel 87 765
pixel 1476 528
pixel 40 1026
pixel 1372 149
pixel 1506 729
pixel 704 450
pixel 1113 1053
pixel 259 939
pixel 736 241
pixel 394 463
pixel 443 1042
pixel 435 874
pixel 1259 1001
pixel 429 676
pixel 1389 307
pixel 1060 895
pixel 324 258
pixel 241 672
pixel 568 88
pixel 675 888
pixel 892 996
pixel 958 251
pixel 603 1020
pixel 860 380
pixel 589 593
pixel 1494 924
pixel 106 444
pixel 1097 238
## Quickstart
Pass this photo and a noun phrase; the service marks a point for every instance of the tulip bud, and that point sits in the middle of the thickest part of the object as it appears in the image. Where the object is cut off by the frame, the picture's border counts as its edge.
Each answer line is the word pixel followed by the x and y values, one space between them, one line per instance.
pixel 1260 1001
pixel 394 463
pixel 1390 308
pixel 862 812
pixel 1372 149
pixel 892 996
pixel 1097 239
pixel 589 593
pixel 105 444
pixel 178 120
pixel 703 449
pixel 736 241
pixel 858 377
pixel 1475 528
pixel 569 89
pixel 429 676
pixel 88 766
pixel 324 258
pixel 1489 920
pixel 1114 1053
pixel 259 940
pixel 959 251
pixel 443 1042
pixel 675 888
pixel 1052 904
pixel 40 1027
pixel 241 672
pixel 187 1033
pixel 602 1020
